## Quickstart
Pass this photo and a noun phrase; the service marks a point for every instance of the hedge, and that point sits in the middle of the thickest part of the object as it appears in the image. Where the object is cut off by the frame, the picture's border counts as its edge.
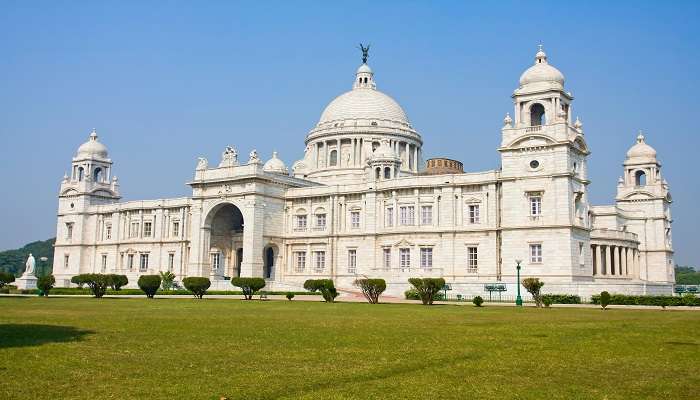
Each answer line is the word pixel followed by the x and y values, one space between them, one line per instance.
pixel 562 298
pixel 85 291
pixel 663 301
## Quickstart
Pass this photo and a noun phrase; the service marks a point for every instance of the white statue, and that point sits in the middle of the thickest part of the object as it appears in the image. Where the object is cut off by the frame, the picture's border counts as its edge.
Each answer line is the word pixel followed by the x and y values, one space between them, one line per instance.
pixel 254 159
pixel 229 158
pixel 29 270
pixel 202 163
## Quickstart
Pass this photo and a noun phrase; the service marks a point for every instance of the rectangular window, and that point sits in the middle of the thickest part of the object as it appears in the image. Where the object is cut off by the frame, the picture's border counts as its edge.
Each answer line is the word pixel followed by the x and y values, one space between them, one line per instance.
pixel 130 262
pixel 474 212
pixel 405 259
pixel 300 260
pixel 69 230
pixel 352 261
pixel 143 262
pixel 66 261
pixel 536 253
pixel 320 221
pixel 147 229
pixel 472 259
pixel 426 257
pixel 300 224
pixel 215 261
pixel 389 216
pixel 535 205
pixel 355 219
pixel 319 261
pixel 108 232
pixel 407 215
pixel 134 232
pixel 387 258
pixel 426 215
pixel 171 261
pixel 176 228
pixel 104 263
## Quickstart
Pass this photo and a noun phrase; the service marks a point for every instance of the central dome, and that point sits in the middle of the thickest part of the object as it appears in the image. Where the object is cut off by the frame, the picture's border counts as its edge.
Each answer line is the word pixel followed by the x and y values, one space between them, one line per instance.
pixel 363 103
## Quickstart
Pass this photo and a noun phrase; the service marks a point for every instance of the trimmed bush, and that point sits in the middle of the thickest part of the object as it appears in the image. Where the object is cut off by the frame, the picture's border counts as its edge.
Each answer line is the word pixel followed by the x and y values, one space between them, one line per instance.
pixel 149 284
pixel 371 288
pixel 289 296
pixel 411 294
pixel 427 288
pixel 534 287
pixel 79 280
pixel 97 283
pixel 6 278
pixel 197 285
pixel 604 299
pixel 661 301
pixel 324 286
pixel 562 298
pixel 248 285
pixel 116 282
pixel 45 284
pixel 689 299
pixel 478 301
pixel 547 301
pixel 167 279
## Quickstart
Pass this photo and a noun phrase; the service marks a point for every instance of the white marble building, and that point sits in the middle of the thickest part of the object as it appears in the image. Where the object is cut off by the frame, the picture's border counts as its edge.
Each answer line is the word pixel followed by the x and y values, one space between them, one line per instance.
pixel 361 202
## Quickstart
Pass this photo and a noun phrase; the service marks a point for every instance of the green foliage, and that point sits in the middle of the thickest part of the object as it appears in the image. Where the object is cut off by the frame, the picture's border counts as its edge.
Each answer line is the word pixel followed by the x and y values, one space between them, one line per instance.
pixel 149 284
pixel 78 280
pixel 687 276
pixel 427 288
pixel 289 296
pixel 547 301
pixel 411 294
pixel 13 261
pixel 562 298
pixel 662 301
pixel 690 299
pixel 371 288
pixel 604 299
pixel 248 285
pixel 534 287
pixel 45 284
pixel 6 278
pixel 478 301
pixel 116 282
pixel 197 285
pixel 167 279
pixel 325 286
pixel 97 283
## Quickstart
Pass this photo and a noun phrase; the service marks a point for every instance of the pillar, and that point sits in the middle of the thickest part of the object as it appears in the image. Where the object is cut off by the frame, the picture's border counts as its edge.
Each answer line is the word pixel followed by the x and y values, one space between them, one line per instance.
pixel 253 215
pixel 608 260
pixel 614 267
pixel 597 266
pixel 623 261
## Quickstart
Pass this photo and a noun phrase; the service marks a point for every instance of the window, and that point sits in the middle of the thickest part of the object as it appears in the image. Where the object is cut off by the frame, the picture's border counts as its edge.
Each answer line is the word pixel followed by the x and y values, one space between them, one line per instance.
pixel 66 261
pixel 472 259
pixel 406 215
pixel 355 219
pixel 215 261
pixel 69 231
pixel 134 232
pixel 171 261
pixel 581 258
pixel 321 221
pixel 352 261
pixel 535 205
pixel 176 228
pixel 130 262
pixel 426 257
pixel 387 258
pixel 333 158
pixel 534 164
pixel 300 224
pixel 108 231
pixel 474 214
pixel 104 263
pixel 319 261
pixel 537 114
pixel 405 259
pixel 300 260
pixel 536 253
pixel 387 173
pixel 426 215
pixel 147 229
pixel 640 178
pixel 97 175
pixel 389 216
pixel 143 262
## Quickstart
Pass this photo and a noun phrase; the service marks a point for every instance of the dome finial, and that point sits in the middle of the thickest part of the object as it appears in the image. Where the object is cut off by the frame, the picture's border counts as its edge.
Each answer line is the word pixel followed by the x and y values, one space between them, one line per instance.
pixel 541 56
pixel 93 134
pixel 640 137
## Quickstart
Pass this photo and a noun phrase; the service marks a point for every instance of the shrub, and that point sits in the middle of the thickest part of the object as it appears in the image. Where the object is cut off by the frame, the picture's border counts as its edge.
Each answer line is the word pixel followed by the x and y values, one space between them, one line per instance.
pixel 97 283
pixel 149 284
pixel 427 288
pixel 689 299
pixel 79 280
pixel 324 286
pixel 116 282
pixel 534 287
pixel 167 279
pixel 197 285
pixel 478 301
pixel 248 285
pixel 604 299
pixel 411 294
pixel 45 284
pixel 289 296
pixel 371 288
pixel 547 301
pixel 562 298
pixel 663 301
pixel 6 278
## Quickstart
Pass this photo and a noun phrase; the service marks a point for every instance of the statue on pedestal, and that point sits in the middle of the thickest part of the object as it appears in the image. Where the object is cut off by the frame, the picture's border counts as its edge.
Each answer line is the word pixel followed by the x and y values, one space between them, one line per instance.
pixel 29 266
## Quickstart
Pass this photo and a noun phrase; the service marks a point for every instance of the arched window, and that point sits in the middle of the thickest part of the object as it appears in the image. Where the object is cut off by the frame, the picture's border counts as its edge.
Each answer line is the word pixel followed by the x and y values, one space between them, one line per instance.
pixel 81 172
pixel 334 158
pixel 640 178
pixel 97 175
pixel 378 173
pixel 387 172
pixel 537 114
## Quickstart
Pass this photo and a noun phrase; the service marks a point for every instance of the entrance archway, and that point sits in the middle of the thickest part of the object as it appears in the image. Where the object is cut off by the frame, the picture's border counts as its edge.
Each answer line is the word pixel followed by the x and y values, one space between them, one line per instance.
pixel 226 224
pixel 269 254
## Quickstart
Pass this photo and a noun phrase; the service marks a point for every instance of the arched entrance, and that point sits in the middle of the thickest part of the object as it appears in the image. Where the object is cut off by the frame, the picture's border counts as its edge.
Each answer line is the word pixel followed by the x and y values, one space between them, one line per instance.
pixel 269 255
pixel 225 223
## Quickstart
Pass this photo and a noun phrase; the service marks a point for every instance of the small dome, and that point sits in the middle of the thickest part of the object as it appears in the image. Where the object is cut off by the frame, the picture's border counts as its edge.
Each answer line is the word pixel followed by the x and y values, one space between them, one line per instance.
pixel 92 148
pixel 275 165
pixel 641 152
pixel 542 72
pixel 364 68
pixel 384 151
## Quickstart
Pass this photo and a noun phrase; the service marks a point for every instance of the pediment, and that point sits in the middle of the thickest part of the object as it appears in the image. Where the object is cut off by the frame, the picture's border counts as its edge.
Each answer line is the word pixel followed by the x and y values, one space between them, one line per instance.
pixel 404 243
pixel 532 141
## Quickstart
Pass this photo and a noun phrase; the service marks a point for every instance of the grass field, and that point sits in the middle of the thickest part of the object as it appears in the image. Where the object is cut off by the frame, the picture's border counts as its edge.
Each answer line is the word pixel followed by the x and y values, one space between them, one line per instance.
pixel 84 348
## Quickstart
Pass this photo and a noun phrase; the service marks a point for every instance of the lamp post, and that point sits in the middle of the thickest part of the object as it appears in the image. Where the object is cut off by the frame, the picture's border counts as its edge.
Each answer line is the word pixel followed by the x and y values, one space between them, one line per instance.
pixel 518 299
pixel 43 264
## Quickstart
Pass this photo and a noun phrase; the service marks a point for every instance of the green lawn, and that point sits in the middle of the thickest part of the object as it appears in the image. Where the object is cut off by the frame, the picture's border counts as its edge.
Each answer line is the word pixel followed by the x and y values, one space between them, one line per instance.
pixel 86 348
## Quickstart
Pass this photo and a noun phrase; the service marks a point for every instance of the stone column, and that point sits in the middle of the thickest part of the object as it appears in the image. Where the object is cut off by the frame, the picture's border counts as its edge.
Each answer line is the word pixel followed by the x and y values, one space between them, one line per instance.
pixel 608 261
pixel 598 261
pixel 614 269
pixel 415 158
pixel 623 259
pixel 252 265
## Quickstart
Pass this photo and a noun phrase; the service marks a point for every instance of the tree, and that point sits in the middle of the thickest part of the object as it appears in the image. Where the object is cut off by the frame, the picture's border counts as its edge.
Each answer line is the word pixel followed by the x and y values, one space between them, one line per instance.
pixel 79 280
pixel 289 296
pixel 45 284
pixel 687 275
pixel 534 287
pixel 427 288
pixel 167 278
pixel 149 284
pixel 248 285
pixel 478 301
pixel 371 288
pixel 197 285
pixel 117 281
pixel 6 278
pixel 97 283
pixel 604 299
pixel 324 286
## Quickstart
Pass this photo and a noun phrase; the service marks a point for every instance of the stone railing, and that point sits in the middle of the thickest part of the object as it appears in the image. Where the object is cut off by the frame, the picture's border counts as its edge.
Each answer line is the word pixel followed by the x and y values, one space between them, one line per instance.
pixel 610 234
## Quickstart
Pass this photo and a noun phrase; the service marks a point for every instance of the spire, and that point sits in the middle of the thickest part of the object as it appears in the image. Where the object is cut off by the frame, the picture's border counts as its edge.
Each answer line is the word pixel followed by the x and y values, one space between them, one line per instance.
pixel 93 134
pixel 640 137
pixel 541 56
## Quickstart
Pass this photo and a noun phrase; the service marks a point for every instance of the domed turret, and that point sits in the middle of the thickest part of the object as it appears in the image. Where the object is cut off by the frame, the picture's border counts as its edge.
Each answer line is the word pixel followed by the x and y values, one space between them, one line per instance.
pixel 541 75
pixel 275 165
pixel 92 148
pixel 641 152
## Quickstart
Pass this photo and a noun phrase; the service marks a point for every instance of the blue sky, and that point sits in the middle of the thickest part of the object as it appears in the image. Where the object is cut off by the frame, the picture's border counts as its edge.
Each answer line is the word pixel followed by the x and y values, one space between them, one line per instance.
pixel 166 82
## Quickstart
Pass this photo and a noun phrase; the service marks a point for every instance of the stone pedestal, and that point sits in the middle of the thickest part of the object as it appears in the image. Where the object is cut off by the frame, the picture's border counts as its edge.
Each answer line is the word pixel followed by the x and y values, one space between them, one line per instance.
pixel 26 282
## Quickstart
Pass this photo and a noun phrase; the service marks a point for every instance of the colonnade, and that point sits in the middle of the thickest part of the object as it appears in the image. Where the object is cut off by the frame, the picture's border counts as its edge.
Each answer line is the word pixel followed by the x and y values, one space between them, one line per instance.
pixel 359 150
pixel 613 260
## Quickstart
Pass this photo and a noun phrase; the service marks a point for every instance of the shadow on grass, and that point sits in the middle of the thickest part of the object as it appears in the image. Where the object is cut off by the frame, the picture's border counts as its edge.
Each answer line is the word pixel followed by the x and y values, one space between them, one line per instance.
pixel 27 335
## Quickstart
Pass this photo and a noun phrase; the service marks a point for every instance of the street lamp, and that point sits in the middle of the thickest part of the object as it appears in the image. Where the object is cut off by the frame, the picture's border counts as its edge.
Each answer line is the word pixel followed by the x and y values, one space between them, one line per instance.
pixel 518 299
pixel 43 267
